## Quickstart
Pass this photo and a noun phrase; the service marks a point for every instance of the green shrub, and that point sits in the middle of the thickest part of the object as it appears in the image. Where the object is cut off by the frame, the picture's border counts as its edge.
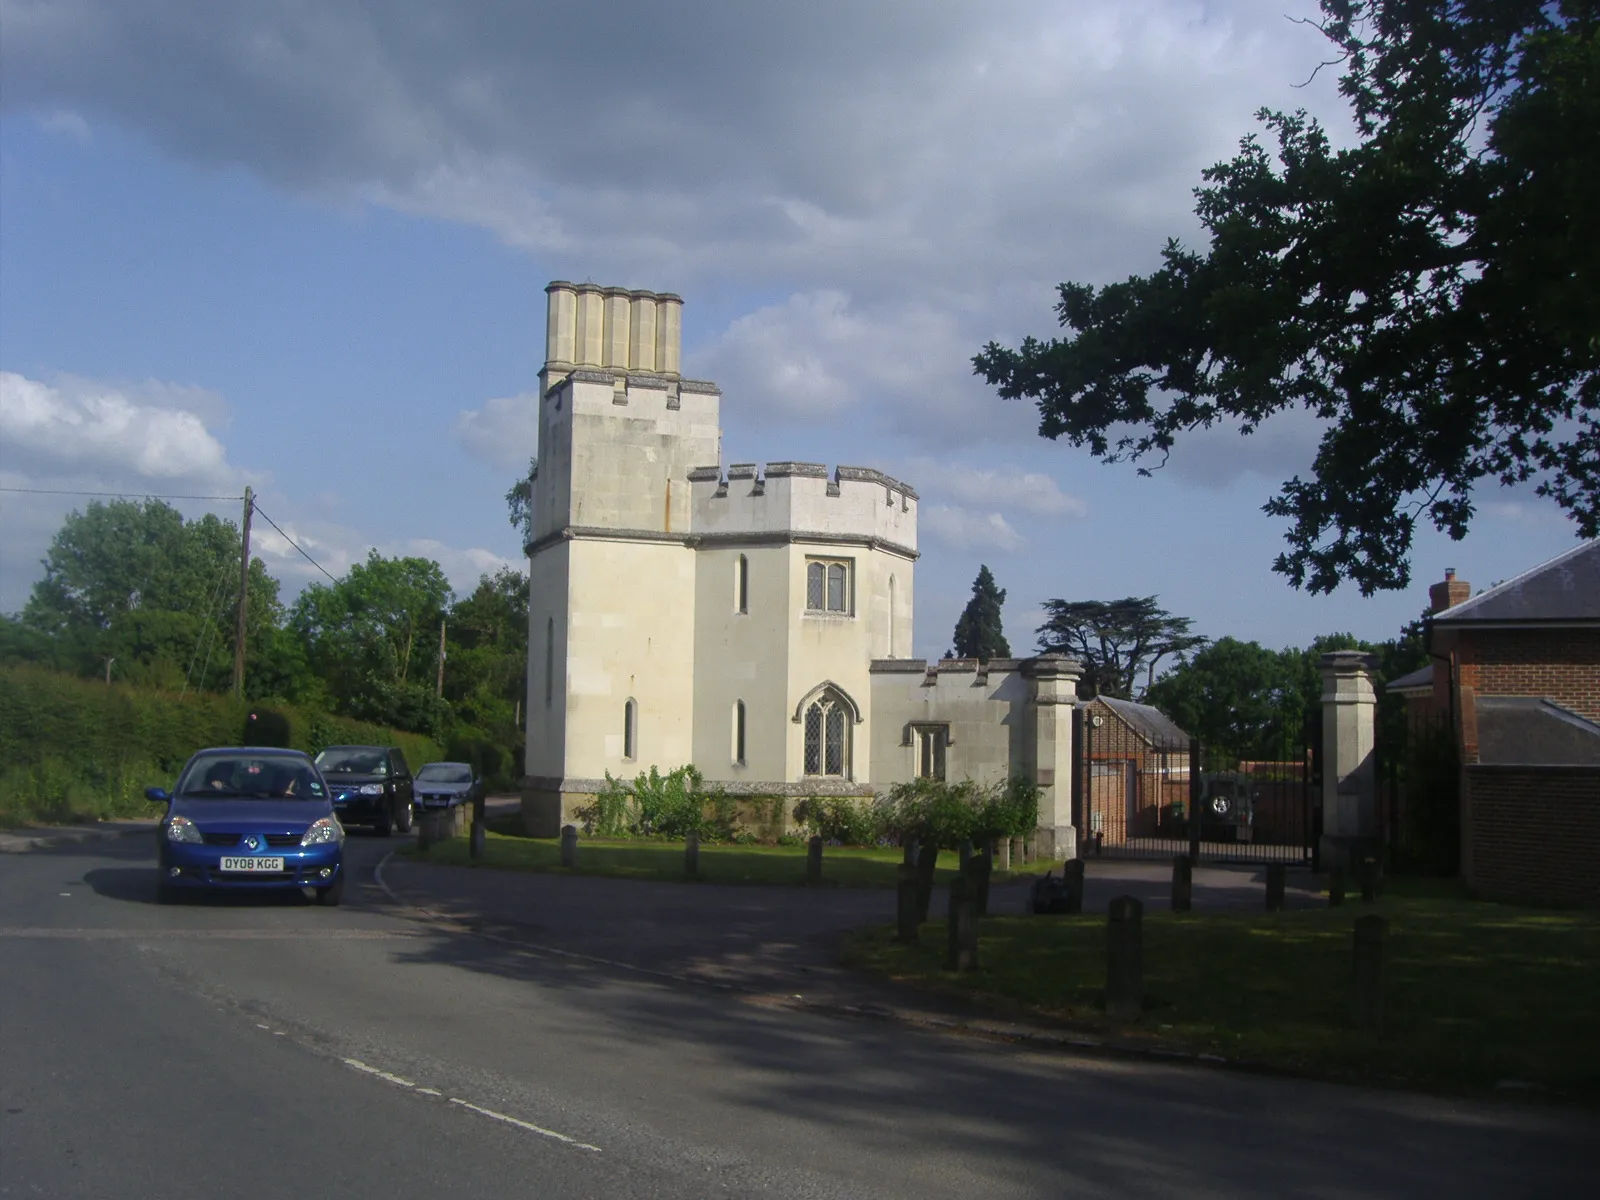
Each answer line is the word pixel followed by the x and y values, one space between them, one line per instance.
pixel 839 819
pixel 665 806
pixel 75 748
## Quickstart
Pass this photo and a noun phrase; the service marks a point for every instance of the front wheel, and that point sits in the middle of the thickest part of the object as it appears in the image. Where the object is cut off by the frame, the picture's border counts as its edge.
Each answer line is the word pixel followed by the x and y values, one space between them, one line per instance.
pixel 332 895
pixel 167 894
pixel 406 817
pixel 384 825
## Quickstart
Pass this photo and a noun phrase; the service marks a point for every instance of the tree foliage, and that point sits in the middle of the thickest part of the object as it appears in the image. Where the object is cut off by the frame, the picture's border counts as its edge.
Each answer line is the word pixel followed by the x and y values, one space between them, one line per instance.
pixel 1115 640
pixel 1431 295
pixel 369 637
pixel 134 582
pixel 980 632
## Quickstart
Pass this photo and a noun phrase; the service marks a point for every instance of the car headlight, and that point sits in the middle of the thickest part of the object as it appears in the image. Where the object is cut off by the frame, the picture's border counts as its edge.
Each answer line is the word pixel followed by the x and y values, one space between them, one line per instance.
pixel 372 789
pixel 322 830
pixel 181 829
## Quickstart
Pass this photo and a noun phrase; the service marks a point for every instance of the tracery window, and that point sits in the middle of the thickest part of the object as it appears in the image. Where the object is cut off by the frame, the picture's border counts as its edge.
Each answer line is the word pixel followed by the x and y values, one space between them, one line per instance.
pixel 827 736
pixel 828 585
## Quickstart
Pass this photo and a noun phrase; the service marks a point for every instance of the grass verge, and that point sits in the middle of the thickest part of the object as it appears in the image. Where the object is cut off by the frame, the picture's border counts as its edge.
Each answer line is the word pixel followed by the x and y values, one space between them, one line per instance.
pixel 1476 994
pixel 842 866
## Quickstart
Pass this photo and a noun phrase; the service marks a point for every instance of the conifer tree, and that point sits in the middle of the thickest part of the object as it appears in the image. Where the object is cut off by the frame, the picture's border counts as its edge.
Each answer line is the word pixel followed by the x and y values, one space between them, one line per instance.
pixel 979 633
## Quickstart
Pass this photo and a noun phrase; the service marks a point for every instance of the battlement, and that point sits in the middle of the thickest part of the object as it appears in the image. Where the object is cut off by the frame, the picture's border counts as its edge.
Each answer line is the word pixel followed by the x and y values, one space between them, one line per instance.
pixel 800 498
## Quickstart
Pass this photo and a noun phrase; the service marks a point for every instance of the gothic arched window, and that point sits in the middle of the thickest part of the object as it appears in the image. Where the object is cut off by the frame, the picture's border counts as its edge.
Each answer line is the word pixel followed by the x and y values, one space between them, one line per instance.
pixel 827 736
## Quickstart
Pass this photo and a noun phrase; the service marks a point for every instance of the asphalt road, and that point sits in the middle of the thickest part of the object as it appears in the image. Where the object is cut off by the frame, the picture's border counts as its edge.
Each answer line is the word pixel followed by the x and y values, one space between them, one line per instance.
pixel 279 1049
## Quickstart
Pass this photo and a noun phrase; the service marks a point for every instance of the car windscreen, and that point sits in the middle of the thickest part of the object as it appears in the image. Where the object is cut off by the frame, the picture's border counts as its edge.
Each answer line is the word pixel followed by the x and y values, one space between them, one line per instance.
pixel 353 761
pixel 249 777
pixel 445 773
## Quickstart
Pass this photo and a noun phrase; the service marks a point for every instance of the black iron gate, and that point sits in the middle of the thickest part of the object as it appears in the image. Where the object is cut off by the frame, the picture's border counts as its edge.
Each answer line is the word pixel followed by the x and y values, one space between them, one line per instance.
pixel 1140 795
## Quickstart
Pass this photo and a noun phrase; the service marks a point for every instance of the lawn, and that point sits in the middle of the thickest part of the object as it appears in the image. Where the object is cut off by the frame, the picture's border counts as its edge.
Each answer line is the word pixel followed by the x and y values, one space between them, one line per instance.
pixel 1475 993
pixel 842 866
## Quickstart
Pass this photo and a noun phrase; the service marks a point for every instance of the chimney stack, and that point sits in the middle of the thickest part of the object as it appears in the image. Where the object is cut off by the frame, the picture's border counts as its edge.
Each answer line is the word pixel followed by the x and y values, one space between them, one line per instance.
pixel 1449 593
pixel 612 329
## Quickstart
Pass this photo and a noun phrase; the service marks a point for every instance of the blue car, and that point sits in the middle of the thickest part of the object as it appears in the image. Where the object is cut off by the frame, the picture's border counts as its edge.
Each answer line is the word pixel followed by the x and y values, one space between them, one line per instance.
pixel 249 817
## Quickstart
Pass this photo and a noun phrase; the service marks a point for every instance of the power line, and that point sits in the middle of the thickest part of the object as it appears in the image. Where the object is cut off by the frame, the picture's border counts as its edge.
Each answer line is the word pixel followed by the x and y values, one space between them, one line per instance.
pixel 117 495
pixel 291 541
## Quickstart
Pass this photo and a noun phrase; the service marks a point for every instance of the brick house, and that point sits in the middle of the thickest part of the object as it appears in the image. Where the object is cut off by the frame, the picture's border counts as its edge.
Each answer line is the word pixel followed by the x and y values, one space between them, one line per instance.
pixel 1137 770
pixel 1517 674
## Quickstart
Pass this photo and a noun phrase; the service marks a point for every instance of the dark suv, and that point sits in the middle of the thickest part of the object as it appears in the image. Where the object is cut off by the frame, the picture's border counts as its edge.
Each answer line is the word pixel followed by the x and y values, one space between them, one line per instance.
pixel 371 785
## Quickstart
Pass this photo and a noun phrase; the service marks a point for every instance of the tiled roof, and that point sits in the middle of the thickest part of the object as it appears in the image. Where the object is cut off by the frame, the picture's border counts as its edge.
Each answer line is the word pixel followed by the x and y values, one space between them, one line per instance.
pixel 1567 588
pixel 1422 677
pixel 1526 730
pixel 1153 725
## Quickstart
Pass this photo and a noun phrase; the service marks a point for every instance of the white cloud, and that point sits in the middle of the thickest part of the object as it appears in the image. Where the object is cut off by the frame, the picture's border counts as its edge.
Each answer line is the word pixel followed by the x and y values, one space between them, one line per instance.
pixel 965 529
pixel 146 435
pixel 505 431
pixel 819 359
pixel 1030 492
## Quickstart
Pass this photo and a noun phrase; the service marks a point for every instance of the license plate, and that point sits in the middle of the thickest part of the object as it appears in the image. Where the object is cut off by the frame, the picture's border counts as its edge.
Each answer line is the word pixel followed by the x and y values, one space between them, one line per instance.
pixel 252 863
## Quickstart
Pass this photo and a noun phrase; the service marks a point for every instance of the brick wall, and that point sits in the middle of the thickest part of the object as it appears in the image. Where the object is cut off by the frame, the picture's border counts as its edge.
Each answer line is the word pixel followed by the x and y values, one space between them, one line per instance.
pixel 1562 665
pixel 1535 833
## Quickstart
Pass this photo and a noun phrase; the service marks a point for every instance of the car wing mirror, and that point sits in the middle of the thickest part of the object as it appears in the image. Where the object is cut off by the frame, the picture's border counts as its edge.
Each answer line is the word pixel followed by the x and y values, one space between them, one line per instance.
pixel 157 795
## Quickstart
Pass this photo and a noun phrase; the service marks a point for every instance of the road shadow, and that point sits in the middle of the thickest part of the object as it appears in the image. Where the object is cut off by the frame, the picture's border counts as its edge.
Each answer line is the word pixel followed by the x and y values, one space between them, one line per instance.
pixel 1067 1124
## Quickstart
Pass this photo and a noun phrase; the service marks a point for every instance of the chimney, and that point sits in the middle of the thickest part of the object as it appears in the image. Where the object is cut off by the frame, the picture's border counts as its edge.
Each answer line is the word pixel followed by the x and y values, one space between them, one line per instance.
pixel 1449 593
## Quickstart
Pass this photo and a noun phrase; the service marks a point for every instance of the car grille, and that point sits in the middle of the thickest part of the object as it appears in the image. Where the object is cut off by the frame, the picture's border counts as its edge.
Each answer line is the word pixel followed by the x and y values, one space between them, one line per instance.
pixel 232 839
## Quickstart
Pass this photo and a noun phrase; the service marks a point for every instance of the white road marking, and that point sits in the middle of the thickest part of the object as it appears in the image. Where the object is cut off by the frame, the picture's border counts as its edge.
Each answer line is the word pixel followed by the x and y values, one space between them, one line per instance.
pixel 531 1128
pixel 383 1075
pixel 299 935
pixel 469 1106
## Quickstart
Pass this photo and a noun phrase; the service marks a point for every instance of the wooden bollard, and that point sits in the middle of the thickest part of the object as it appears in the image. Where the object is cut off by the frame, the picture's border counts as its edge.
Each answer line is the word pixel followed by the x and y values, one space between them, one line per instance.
pixel 1072 877
pixel 979 870
pixel 691 853
pixel 1002 854
pixel 427 832
pixel 908 854
pixel 1366 998
pixel 965 854
pixel 1019 854
pixel 814 862
pixel 1125 959
pixel 480 829
pixel 905 908
pixel 1275 873
pixel 1335 888
pixel 1182 883
pixel 569 846
pixel 1369 880
pixel 927 861
pixel 962 926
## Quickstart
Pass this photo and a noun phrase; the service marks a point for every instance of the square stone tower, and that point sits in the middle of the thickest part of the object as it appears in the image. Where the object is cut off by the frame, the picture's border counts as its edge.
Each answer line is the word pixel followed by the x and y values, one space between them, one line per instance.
pixel 611 603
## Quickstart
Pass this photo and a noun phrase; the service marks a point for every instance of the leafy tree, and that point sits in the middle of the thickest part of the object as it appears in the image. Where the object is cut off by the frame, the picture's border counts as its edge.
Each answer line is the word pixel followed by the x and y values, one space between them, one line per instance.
pixel 979 632
pixel 366 637
pixel 1115 640
pixel 487 665
pixel 1431 294
pixel 133 580
pixel 519 502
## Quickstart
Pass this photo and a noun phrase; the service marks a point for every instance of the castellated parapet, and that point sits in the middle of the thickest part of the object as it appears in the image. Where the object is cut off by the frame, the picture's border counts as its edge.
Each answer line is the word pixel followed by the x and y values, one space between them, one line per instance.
pixel 806 500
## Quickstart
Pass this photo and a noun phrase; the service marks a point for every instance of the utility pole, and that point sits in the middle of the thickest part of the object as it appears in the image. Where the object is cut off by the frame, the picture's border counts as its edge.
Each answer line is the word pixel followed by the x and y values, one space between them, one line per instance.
pixel 439 690
pixel 244 596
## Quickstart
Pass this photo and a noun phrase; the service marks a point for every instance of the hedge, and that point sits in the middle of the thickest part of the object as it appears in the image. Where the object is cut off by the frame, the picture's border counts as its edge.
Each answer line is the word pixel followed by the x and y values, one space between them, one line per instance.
pixel 72 748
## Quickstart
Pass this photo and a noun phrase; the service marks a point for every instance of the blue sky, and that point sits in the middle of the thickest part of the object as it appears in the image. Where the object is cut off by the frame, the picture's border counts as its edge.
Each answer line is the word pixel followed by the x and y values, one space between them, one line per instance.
pixel 304 248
